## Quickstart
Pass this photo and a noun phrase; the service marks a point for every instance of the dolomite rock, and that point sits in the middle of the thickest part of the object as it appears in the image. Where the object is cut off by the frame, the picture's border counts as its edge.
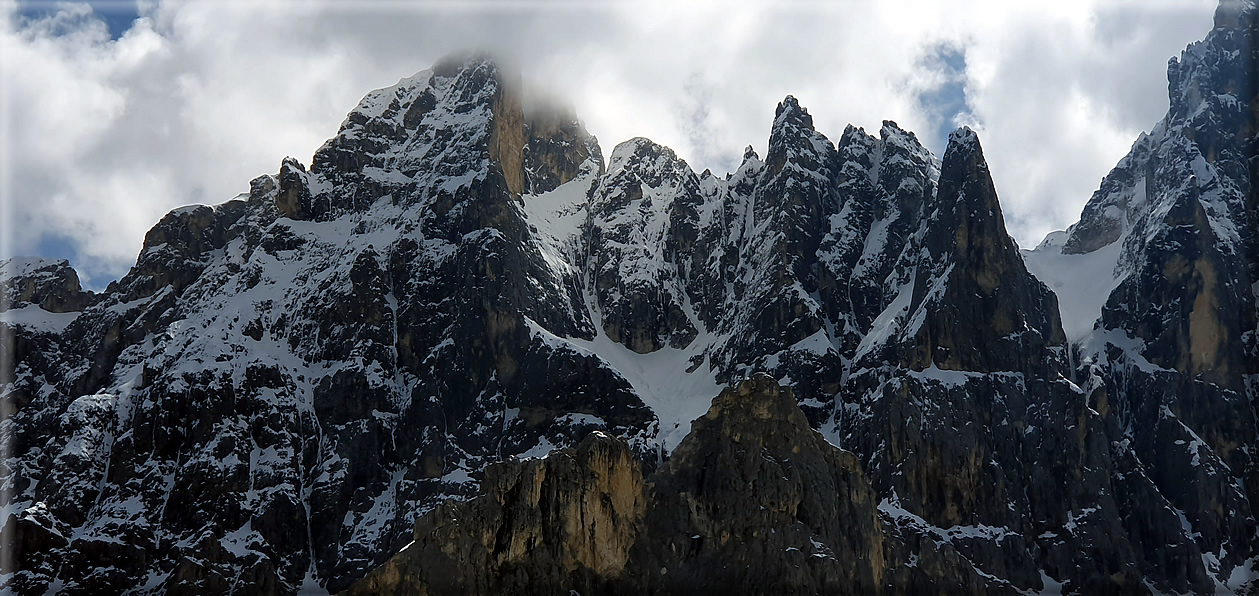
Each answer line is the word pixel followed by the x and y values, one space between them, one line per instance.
pixel 753 500
pixel 286 381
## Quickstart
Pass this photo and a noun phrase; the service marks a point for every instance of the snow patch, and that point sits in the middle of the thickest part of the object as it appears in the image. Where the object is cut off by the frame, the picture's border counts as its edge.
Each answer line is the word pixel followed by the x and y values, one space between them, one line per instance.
pixel 35 318
pixel 1082 282
pixel 659 378
pixel 541 450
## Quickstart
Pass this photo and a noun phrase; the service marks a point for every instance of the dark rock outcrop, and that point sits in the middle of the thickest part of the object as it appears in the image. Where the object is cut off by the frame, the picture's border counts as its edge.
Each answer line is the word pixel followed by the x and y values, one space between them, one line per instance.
pixel 753 501
pixel 51 285
pixel 974 304
pixel 556 147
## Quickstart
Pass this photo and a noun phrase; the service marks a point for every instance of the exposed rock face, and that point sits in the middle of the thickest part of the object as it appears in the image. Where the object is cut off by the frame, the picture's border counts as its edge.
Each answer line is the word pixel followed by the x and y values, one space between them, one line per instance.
pixel 285 382
pixel 1171 358
pixel 507 135
pixel 51 285
pixel 753 500
pixel 775 281
pixel 884 183
pixel 975 306
pixel 556 148
pixel 539 526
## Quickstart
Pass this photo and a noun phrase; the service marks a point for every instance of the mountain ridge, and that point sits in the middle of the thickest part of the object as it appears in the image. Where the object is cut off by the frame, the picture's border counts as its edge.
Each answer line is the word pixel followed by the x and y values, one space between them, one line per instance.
pixel 286 381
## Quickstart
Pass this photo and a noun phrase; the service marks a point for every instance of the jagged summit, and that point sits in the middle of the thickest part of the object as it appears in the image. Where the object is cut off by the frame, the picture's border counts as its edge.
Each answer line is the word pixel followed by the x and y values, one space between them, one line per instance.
pixel 989 298
pixel 638 149
pixel 790 113
pixel 891 129
pixel 963 139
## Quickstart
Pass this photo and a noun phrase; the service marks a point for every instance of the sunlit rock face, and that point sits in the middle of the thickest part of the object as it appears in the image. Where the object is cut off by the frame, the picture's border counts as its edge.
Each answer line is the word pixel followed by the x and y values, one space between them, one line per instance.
pixel 586 519
pixel 286 384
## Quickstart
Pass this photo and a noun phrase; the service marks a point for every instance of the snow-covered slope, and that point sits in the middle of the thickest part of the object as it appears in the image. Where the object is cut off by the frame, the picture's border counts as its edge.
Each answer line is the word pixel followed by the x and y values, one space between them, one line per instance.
pixel 1082 282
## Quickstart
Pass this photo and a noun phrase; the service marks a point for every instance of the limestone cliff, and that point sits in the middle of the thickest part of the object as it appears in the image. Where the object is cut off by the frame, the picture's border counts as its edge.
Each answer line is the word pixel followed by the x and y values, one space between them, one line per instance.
pixel 753 500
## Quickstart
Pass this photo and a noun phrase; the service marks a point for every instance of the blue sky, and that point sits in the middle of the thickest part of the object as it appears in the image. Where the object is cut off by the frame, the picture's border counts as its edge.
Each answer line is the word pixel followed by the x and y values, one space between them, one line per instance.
pixel 124 110
pixel 118 16
pixel 945 104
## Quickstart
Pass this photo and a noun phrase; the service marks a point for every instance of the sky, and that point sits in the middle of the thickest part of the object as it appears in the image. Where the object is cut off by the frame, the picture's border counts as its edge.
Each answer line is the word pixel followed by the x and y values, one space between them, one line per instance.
pixel 116 112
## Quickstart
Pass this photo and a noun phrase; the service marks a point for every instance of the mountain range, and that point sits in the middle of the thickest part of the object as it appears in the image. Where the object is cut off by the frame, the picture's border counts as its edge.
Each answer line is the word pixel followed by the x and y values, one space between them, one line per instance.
pixel 461 352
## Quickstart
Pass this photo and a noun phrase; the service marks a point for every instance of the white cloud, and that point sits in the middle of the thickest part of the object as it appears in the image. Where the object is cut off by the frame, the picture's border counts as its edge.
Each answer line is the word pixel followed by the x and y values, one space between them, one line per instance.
pixel 103 136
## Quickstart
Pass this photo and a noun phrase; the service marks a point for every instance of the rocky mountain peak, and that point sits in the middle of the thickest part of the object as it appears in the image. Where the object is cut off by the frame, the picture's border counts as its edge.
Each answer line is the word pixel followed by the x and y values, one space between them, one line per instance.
pixel 1212 82
pixel 790 113
pixel 755 401
pixel 440 129
pixel 908 170
pixel 963 139
pixel 793 139
pixel 641 160
pixel 890 129
pixel 1234 14
pixel 51 284
pixel 635 227
pixel 987 282
pixel 966 187
pixel 557 147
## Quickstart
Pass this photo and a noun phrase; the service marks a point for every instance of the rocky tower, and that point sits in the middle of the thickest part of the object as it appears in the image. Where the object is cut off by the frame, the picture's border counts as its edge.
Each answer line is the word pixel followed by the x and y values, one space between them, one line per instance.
pixel 632 269
pixel 284 383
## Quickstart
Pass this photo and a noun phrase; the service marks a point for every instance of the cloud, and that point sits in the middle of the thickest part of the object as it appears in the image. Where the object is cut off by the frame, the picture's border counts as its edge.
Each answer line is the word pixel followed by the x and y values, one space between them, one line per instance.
pixel 105 133
pixel 1061 96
